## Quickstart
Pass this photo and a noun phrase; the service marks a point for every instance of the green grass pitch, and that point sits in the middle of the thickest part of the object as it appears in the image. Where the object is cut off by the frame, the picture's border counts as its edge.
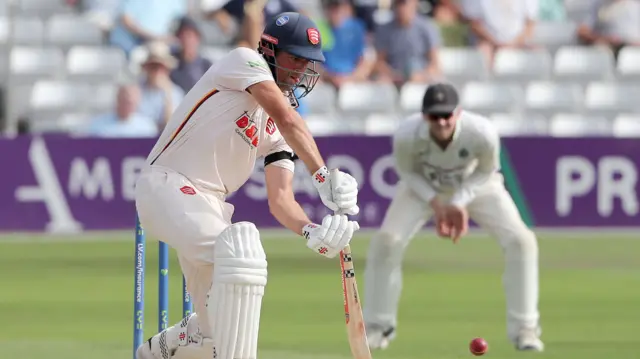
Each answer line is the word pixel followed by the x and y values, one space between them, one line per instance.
pixel 73 299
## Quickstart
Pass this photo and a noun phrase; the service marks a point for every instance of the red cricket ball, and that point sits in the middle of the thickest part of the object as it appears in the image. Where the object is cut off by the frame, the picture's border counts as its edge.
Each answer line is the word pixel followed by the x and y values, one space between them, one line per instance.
pixel 478 346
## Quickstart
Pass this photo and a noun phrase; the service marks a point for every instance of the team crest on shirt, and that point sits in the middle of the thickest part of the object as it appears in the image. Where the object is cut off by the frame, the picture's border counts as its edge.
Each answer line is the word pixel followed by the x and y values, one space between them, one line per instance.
pixel 271 126
pixel 247 130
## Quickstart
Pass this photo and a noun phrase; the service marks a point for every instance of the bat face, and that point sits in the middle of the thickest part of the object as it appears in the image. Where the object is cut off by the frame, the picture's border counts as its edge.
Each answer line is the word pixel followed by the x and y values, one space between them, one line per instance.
pixel 352 308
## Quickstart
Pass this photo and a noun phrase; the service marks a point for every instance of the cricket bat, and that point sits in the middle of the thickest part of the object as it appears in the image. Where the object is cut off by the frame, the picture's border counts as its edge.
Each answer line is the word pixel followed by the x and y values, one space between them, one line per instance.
pixel 352 309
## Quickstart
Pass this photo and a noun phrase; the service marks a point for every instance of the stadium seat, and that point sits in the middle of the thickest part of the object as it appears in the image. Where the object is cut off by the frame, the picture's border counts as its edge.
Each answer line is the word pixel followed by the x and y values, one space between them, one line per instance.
pixel 627 125
pixel 70 123
pixel 510 125
pixel 411 95
pixel 30 64
pixel 607 99
pixel 554 34
pixel 463 64
pixel 326 125
pixel 95 63
pixel 360 99
pixel 381 124
pixel 69 30
pixel 522 65
pixel 628 65
pixel 42 8
pixel 58 95
pixel 103 97
pixel 577 125
pixel 487 97
pixel 322 99
pixel 584 64
pixel 547 98
pixel 26 31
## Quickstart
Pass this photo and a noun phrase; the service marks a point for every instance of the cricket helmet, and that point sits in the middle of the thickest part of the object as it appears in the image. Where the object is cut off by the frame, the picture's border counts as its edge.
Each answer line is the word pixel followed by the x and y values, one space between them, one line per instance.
pixel 299 36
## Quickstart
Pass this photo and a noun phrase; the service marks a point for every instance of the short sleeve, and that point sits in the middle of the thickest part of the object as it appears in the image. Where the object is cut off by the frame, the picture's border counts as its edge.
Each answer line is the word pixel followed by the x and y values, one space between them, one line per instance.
pixel 381 39
pixel 280 147
pixel 432 32
pixel 241 68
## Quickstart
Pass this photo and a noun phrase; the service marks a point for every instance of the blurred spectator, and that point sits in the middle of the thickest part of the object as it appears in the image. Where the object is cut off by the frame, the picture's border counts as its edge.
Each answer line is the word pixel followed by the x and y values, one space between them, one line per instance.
pixel 124 121
pixel 613 23
pixel 448 16
pixel 160 96
pixel 141 21
pixel 407 46
pixel 500 23
pixel 191 65
pixel 367 10
pixel 345 45
pixel 250 14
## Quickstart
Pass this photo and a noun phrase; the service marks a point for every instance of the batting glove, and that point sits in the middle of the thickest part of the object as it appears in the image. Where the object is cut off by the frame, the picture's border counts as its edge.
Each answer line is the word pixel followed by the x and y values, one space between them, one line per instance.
pixel 338 190
pixel 329 238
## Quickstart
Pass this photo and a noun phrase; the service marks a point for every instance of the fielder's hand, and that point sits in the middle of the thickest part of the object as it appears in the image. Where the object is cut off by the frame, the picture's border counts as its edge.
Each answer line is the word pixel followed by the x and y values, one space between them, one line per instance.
pixel 332 236
pixel 338 190
pixel 456 222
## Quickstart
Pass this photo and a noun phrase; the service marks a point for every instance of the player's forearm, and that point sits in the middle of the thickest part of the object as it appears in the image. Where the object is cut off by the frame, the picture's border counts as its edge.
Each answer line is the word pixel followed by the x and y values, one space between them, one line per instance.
pixel 418 185
pixel 298 137
pixel 289 213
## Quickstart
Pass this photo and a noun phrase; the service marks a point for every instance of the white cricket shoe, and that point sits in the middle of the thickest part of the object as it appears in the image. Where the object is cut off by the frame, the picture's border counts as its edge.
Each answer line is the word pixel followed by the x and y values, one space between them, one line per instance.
pixel 379 338
pixel 529 340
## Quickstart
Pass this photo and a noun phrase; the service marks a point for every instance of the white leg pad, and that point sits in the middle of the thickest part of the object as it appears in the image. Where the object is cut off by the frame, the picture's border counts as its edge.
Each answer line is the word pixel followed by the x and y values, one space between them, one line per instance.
pixel 235 298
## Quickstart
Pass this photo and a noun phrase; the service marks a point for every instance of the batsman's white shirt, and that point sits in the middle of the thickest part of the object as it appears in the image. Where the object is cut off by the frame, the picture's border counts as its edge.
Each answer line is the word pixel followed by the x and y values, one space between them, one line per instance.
pixel 206 151
pixel 469 161
pixel 216 134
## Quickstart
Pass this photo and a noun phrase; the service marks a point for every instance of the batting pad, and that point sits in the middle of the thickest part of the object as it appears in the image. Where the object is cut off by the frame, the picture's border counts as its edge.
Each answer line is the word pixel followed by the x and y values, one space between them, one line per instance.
pixel 235 297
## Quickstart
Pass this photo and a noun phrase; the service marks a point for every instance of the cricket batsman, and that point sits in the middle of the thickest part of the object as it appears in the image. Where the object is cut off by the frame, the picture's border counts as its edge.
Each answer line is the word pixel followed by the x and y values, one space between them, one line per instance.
pixel 241 109
pixel 448 161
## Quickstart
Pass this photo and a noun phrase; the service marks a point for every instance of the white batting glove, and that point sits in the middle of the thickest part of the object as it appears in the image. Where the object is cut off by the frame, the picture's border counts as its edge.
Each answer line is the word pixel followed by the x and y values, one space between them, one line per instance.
pixel 338 190
pixel 329 238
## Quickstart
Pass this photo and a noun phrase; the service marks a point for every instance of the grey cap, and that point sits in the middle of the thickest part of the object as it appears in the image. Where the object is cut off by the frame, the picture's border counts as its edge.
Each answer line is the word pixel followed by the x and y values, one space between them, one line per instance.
pixel 440 98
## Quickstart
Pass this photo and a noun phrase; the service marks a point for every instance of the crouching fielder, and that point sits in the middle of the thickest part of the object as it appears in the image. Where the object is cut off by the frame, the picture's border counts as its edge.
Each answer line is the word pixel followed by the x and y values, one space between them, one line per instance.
pixel 240 110
pixel 448 160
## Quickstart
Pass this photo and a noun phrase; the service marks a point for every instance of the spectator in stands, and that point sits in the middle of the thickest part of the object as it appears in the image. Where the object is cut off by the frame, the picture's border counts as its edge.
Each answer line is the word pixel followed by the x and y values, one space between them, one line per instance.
pixel 407 46
pixel 160 96
pixel 124 120
pixel 448 16
pixel 191 64
pixel 250 14
pixel 612 23
pixel 142 21
pixel 500 23
pixel 345 45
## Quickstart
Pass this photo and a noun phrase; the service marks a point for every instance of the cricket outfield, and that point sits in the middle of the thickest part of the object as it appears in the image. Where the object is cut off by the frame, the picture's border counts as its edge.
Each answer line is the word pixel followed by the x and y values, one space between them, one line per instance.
pixel 72 299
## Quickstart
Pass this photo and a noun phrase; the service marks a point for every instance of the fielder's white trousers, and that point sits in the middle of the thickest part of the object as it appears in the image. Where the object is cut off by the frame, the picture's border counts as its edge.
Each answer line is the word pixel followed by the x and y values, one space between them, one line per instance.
pixel 189 223
pixel 492 209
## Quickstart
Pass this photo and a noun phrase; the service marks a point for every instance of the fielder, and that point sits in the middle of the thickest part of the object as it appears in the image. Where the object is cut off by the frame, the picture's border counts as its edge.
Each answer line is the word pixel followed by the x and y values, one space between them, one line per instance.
pixel 240 110
pixel 448 161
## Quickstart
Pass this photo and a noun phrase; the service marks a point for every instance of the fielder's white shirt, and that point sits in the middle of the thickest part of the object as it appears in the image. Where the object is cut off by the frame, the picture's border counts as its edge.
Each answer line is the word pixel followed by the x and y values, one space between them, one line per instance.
pixel 467 162
pixel 219 131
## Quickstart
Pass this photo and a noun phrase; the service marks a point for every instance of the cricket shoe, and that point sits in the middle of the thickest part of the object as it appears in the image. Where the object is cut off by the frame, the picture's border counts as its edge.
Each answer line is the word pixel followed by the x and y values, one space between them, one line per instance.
pixel 529 340
pixel 379 338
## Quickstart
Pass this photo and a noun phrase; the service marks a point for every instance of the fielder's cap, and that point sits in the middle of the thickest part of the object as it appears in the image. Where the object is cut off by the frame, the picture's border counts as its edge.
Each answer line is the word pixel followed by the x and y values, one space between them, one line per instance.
pixel 440 98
